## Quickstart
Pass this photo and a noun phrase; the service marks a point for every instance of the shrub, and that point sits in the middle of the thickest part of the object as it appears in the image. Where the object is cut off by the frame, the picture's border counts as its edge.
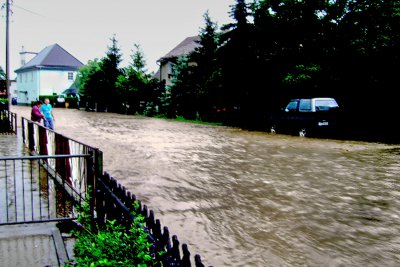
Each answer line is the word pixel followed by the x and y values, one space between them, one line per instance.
pixel 52 98
pixel 111 245
pixel 72 101
pixel 3 103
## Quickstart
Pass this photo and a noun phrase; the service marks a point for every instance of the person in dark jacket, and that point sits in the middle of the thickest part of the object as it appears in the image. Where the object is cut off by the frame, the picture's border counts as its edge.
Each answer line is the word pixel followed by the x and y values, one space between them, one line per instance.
pixel 36 114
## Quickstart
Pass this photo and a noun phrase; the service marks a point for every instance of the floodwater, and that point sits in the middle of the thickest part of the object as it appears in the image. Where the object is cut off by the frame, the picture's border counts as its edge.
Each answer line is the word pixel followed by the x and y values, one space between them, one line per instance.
pixel 241 198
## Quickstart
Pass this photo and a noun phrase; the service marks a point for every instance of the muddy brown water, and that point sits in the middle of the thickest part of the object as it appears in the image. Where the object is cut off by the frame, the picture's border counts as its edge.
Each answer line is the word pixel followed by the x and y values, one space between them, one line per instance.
pixel 241 198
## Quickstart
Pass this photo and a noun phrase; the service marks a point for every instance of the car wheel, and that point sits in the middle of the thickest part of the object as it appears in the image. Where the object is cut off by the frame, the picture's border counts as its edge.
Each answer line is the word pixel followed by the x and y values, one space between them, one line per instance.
pixel 302 132
pixel 272 129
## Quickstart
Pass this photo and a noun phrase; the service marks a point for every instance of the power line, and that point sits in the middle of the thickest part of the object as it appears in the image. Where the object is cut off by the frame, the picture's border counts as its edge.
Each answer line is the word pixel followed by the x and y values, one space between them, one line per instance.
pixel 29 11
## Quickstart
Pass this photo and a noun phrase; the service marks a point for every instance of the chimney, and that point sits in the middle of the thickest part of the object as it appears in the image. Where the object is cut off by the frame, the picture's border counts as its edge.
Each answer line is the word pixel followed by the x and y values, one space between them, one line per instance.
pixel 23 54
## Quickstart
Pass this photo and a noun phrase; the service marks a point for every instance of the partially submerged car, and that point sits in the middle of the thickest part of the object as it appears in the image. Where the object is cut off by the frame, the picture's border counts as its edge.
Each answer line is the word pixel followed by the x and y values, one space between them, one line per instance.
pixel 305 116
pixel 71 92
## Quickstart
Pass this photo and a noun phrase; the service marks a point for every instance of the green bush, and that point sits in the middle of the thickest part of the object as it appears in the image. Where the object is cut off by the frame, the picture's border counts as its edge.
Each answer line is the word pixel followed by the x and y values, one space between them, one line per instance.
pixel 3 103
pixel 111 245
pixel 52 98
pixel 72 101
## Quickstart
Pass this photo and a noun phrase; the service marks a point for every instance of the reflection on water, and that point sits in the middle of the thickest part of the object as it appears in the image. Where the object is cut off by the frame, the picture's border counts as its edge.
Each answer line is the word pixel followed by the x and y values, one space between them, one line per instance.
pixel 27 191
pixel 242 198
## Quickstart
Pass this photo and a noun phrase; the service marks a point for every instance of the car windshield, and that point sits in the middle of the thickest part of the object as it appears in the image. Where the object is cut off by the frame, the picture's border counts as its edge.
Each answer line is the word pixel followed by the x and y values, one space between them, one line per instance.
pixel 291 106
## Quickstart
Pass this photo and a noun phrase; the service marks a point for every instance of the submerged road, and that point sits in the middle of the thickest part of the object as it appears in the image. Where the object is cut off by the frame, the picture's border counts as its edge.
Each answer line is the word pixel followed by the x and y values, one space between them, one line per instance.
pixel 241 198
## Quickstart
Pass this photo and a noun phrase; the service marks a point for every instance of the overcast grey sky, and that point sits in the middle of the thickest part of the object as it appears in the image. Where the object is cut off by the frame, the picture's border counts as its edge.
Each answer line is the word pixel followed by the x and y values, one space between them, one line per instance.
pixel 84 27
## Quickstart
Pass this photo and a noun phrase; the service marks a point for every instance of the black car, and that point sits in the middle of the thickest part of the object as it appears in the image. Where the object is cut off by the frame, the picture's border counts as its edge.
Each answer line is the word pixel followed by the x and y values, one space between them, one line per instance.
pixel 305 116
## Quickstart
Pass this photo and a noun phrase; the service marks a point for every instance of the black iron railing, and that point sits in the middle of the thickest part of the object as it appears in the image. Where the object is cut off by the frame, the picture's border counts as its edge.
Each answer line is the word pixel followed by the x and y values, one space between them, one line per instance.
pixel 34 190
pixel 8 121
pixel 114 202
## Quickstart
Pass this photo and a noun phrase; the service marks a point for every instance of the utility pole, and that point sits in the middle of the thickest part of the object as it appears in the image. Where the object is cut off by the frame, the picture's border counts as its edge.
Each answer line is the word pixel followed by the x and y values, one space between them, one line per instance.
pixel 7 54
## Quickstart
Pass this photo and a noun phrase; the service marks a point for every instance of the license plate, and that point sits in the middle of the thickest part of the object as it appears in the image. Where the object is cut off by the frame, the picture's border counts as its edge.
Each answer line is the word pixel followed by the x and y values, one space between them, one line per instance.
pixel 323 123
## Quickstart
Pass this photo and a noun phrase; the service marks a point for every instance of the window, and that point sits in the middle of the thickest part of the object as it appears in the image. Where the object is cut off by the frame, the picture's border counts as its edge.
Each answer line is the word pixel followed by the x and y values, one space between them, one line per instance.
pixel 32 76
pixel 170 70
pixel 305 105
pixel 292 106
pixel 325 104
pixel 70 76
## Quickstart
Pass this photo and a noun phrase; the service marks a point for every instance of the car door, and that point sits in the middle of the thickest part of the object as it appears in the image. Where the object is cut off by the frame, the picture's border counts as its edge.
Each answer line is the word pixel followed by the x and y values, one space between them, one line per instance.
pixel 289 118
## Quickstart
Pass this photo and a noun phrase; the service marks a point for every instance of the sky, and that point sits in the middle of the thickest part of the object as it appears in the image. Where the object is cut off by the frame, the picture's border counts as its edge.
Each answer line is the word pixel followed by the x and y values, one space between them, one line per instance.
pixel 84 27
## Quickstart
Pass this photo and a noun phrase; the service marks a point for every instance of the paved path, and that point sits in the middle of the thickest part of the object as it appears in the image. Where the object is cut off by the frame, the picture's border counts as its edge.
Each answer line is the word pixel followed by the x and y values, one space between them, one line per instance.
pixel 33 245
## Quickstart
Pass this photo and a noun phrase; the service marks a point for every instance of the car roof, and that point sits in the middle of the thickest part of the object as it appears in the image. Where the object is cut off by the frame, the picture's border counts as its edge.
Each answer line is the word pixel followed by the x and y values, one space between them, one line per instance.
pixel 314 98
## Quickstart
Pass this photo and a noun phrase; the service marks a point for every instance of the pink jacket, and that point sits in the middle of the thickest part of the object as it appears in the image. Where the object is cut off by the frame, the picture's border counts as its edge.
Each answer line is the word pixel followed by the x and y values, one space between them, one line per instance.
pixel 36 115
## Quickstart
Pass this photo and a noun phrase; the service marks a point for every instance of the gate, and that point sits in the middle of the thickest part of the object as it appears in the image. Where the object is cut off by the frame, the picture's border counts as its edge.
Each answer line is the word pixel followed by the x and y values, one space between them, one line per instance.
pixel 37 188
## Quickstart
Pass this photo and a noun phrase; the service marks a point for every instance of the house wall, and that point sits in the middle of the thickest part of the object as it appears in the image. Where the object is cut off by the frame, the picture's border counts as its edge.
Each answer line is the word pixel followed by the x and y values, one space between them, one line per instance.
pixel 13 89
pixel 55 81
pixel 27 86
pixel 31 84
pixel 166 72
pixel 167 69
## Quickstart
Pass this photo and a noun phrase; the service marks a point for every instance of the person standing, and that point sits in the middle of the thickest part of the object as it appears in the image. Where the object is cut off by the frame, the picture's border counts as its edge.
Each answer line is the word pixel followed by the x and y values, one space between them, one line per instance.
pixel 47 111
pixel 36 114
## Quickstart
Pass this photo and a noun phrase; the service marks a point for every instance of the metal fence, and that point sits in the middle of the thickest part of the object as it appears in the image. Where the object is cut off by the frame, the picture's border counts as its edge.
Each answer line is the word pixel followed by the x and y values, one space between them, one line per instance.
pixel 114 202
pixel 43 141
pixel 110 200
pixel 8 121
pixel 31 190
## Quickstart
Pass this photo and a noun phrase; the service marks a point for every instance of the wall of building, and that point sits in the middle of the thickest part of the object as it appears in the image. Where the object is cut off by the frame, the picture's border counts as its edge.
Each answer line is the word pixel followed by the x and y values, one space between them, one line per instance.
pixel 31 84
pixel 27 87
pixel 166 72
pixel 55 81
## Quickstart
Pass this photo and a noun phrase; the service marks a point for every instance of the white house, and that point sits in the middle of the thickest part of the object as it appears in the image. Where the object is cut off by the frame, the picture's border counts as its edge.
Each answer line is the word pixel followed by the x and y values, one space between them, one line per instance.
pixel 50 72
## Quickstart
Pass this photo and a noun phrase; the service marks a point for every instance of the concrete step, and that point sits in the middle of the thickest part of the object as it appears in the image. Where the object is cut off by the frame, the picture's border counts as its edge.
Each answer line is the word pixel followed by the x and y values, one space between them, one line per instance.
pixel 32 245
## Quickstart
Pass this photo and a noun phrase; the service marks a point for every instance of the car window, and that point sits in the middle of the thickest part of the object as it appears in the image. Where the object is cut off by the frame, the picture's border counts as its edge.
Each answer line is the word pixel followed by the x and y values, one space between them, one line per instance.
pixel 305 105
pixel 292 106
pixel 325 104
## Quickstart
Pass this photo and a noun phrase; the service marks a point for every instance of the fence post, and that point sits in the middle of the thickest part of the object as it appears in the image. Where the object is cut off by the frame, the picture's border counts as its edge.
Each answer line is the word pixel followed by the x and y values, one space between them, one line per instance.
pixel 176 255
pixel 197 261
pixel 98 163
pixel 90 181
pixel 186 256
pixel 15 124
pixel 23 130
pixel 31 136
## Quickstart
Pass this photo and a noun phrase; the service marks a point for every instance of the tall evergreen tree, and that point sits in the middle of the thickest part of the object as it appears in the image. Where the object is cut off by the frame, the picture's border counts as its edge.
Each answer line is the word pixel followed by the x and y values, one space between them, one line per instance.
pixel 183 100
pixel 88 81
pixel 138 59
pixel 135 87
pixel 368 59
pixel 238 64
pixel 110 68
pixel 207 72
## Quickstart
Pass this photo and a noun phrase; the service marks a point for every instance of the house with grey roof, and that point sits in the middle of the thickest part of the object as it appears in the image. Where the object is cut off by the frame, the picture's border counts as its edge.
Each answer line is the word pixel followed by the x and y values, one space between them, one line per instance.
pixel 168 61
pixel 50 72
